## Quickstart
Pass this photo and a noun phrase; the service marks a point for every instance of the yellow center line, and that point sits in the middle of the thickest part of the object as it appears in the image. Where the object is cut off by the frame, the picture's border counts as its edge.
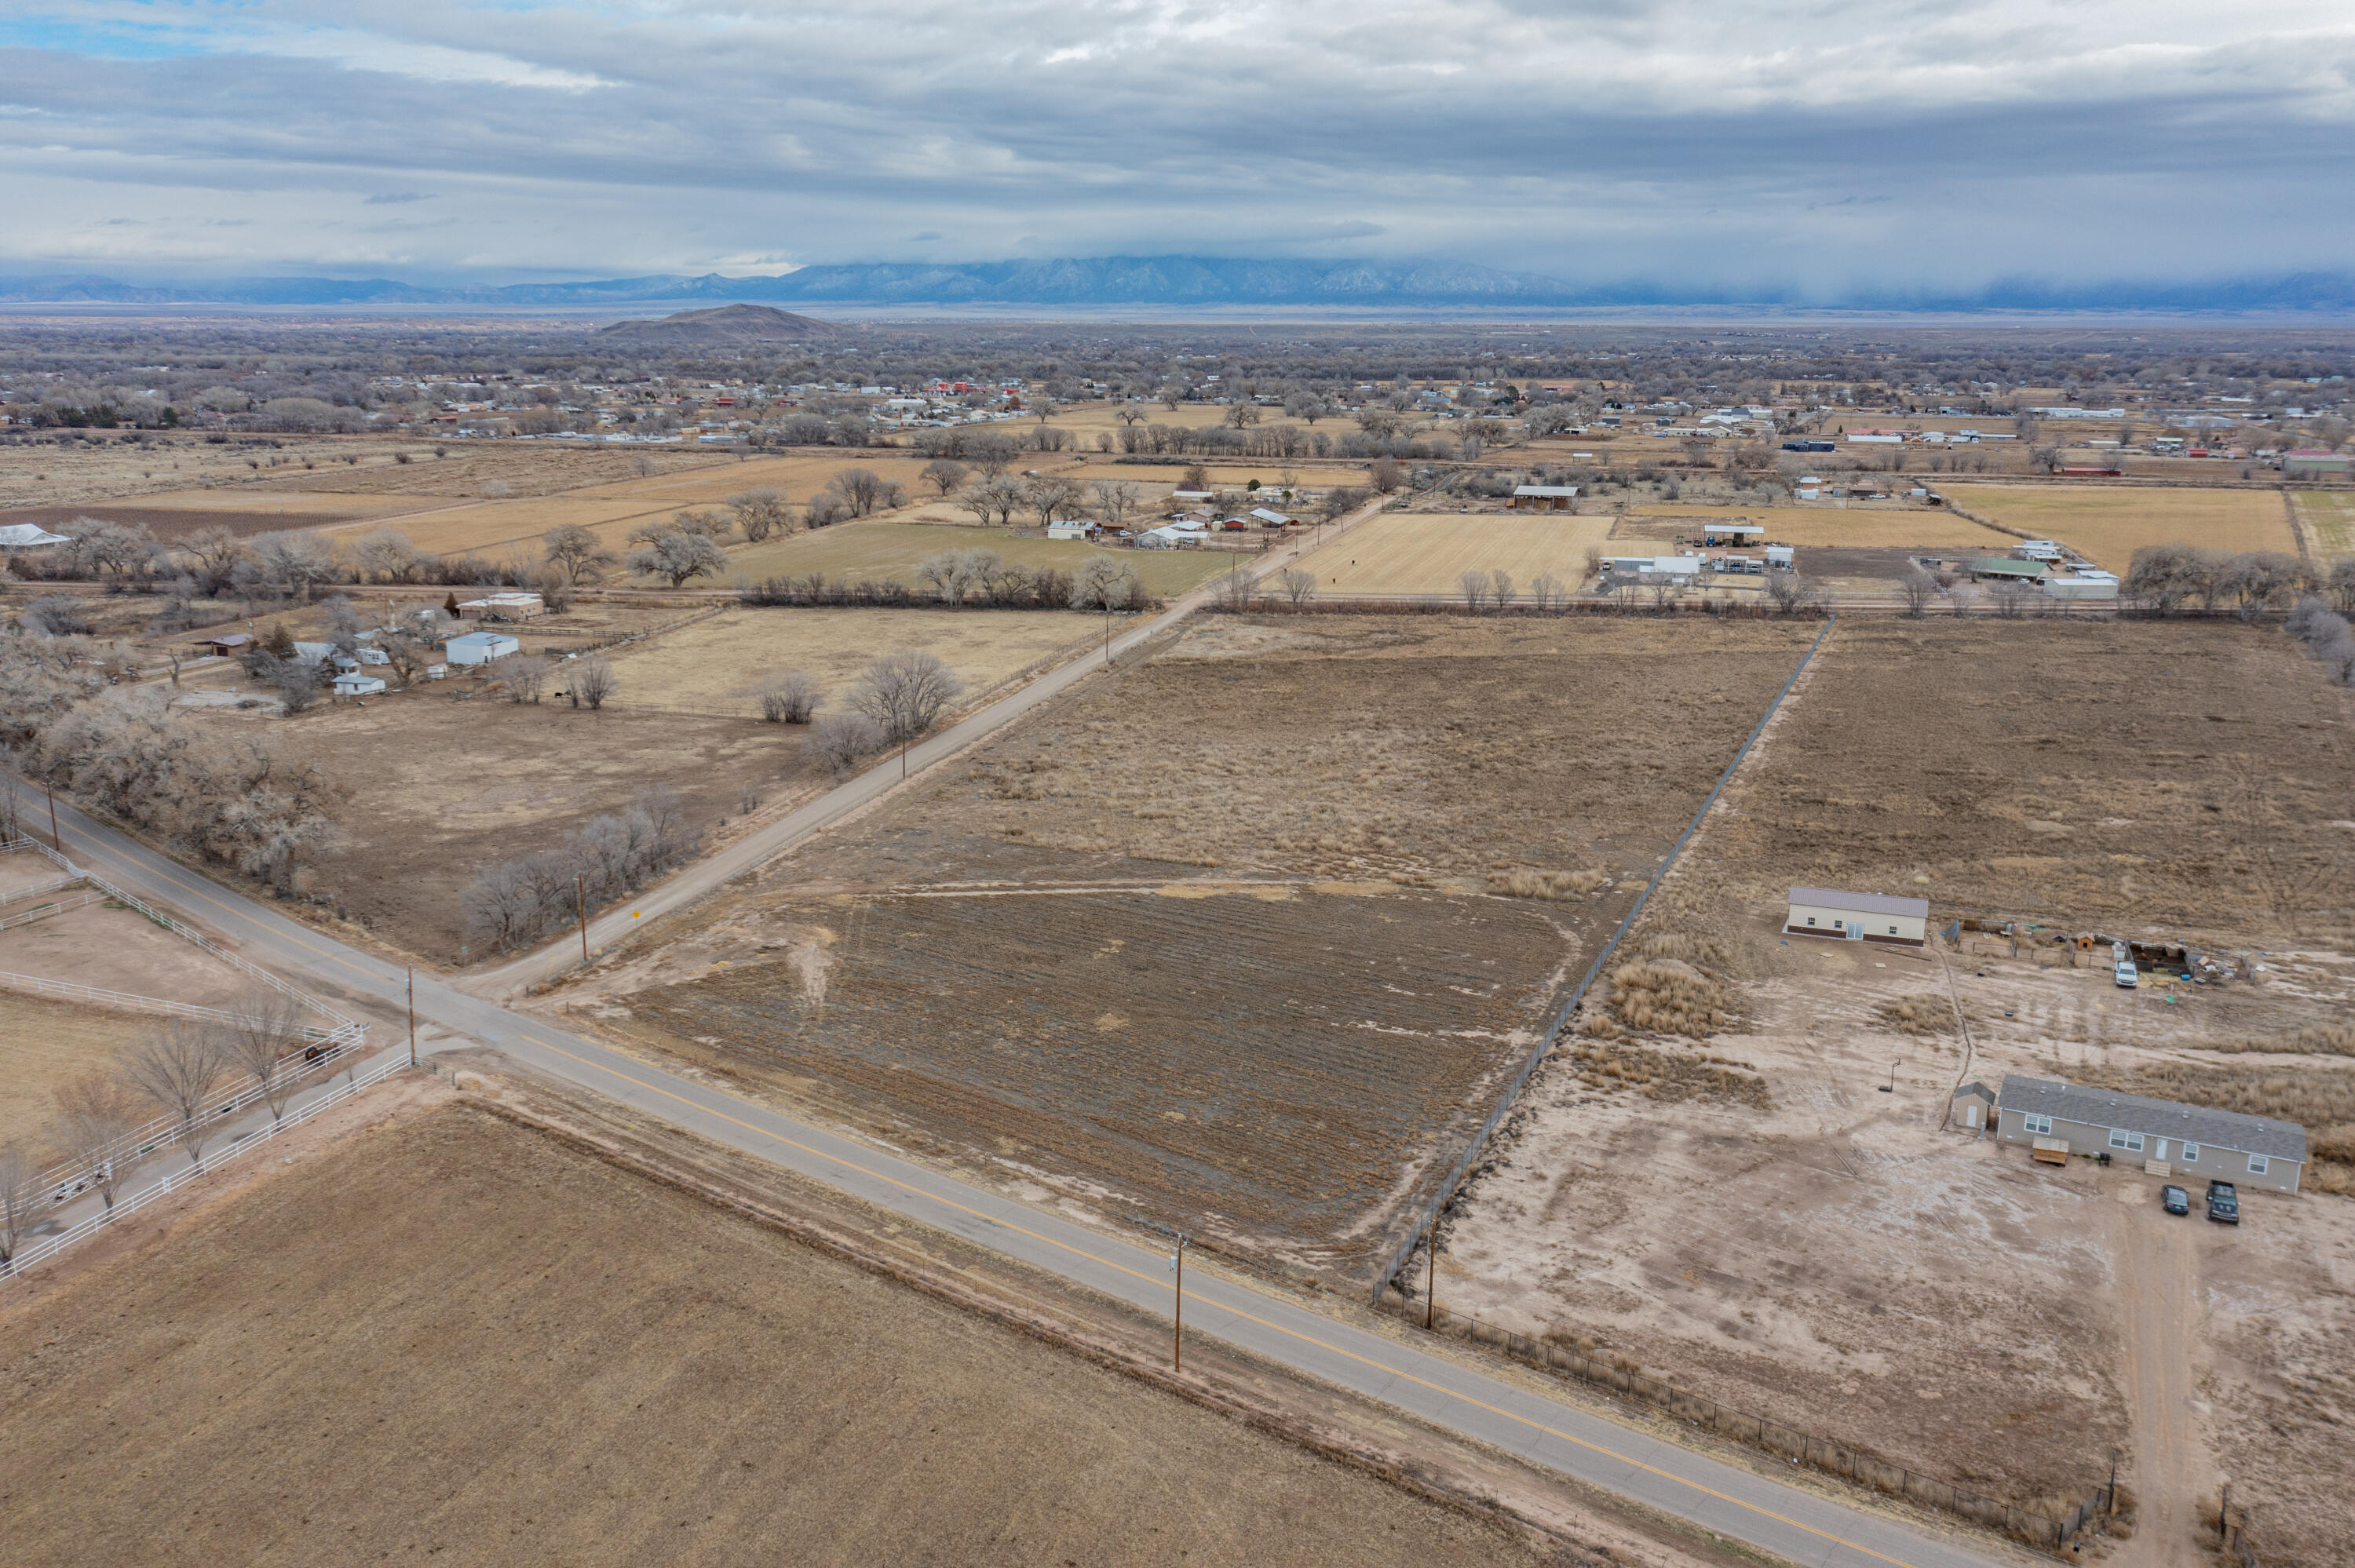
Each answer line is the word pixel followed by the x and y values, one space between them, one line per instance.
pixel 1263 1322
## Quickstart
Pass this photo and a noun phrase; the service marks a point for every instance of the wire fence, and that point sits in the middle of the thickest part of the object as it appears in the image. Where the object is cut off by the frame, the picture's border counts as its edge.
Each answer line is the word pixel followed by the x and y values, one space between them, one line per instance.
pixel 49 1247
pixel 1787 1443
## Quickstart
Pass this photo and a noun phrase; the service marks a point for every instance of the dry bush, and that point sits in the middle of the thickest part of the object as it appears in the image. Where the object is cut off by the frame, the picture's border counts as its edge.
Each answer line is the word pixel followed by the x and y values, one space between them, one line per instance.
pixel 1918 1016
pixel 1521 882
pixel 1668 996
pixel 2328 1038
pixel 1603 1063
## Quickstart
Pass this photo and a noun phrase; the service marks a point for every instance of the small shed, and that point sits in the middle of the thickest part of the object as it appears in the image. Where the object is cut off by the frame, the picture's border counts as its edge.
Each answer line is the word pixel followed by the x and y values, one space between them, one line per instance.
pixel 1973 1106
pixel 1733 532
pixel 27 536
pixel 228 647
pixel 1857 917
pixel 358 686
pixel 1543 497
pixel 1272 519
pixel 478 648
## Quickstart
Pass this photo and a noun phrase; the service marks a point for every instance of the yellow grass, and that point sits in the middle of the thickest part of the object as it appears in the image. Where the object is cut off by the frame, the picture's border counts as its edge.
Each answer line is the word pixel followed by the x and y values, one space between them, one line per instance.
pixel 1094 416
pixel 1934 529
pixel 1423 553
pixel 855 551
pixel 712 666
pixel 1160 478
pixel 497 528
pixel 297 504
pixel 799 477
pixel 2109 522
pixel 2330 519
pixel 44 1043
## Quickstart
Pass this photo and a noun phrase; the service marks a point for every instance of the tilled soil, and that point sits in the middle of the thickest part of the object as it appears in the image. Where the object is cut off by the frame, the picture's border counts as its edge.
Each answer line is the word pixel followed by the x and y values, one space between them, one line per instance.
pixel 531 1356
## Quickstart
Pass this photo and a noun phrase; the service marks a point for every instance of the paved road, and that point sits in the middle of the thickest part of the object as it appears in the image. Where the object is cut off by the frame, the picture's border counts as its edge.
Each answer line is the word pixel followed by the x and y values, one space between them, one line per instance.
pixel 1789 1522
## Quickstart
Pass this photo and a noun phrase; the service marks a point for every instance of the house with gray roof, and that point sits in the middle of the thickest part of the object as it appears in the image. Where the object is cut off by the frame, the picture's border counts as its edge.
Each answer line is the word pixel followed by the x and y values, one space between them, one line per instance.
pixel 1857 917
pixel 2226 1146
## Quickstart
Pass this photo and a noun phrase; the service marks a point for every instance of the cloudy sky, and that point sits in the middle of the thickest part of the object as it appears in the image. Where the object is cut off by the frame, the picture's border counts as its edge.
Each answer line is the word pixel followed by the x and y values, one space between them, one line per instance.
pixel 1827 146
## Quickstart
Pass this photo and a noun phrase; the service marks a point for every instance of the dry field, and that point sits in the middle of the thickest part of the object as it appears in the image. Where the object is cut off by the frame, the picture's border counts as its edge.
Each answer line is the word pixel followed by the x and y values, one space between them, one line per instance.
pixel 110 468
pixel 442 788
pixel 43 1045
pixel 498 528
pixel 1795 1243
pixel 111 947
pixel 801 477
pixel 2109 522
pixel 1424 552
pixel 243 512
pixel 853 552
pixel 456 468
pixel 1832 525
pixel 2330 520
pixel 713 665
pixel 1242 936
pixel 547 1359
pixel 1307 473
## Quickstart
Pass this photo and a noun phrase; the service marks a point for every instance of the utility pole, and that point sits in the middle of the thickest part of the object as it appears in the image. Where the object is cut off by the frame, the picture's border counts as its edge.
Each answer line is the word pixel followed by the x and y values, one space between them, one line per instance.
pixel 55 842
pixel 581 893
pixel 1177 1312
pixel 1430 1268
pixel 412 1015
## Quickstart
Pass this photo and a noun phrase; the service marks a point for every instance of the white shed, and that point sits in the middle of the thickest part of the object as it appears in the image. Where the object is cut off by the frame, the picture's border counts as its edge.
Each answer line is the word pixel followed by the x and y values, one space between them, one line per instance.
pixel 481 647
pixel 358 686
pixel 1857 917
pixel 1077 528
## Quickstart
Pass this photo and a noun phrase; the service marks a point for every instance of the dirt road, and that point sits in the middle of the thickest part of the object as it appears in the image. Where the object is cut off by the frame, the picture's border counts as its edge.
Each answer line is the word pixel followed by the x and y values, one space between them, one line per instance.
pixel 2159 1290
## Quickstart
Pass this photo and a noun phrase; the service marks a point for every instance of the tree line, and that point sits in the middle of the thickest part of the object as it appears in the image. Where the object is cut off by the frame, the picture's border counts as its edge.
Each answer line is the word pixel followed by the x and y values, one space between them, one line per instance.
pixel 2165 579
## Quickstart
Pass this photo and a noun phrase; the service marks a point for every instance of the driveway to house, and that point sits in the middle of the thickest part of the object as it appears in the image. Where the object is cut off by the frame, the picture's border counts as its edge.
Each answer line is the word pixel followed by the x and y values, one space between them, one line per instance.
pixel 623 920
pixel 1794 1524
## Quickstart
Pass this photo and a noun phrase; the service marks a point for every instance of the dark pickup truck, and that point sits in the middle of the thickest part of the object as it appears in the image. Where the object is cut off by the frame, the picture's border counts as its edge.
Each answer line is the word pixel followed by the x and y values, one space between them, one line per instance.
pixel 2223 1203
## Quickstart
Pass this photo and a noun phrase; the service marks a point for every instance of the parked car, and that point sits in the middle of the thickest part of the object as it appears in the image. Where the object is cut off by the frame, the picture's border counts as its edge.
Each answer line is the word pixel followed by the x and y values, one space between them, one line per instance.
pixel 2223 1203
pixel 2175 1200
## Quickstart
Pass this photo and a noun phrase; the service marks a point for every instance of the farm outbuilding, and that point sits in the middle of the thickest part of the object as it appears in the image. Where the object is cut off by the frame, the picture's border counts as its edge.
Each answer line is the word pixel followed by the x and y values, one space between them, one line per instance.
pixel 1973 1104
pixel 2225 1146
pixel 227 647
pixel 358 686
pixel 1999 569
pixel 502 606
pixel 1732 532
pixel 1857 917
pixel 480 648
pixel 1543 497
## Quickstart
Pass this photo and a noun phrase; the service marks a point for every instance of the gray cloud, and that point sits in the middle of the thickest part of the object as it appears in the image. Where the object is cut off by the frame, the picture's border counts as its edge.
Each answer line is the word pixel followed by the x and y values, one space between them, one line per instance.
pixel 1936 144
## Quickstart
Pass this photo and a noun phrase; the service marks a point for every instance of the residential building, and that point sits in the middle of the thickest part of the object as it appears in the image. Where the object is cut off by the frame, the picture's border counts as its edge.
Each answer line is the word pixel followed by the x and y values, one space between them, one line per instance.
pixel 2246 1150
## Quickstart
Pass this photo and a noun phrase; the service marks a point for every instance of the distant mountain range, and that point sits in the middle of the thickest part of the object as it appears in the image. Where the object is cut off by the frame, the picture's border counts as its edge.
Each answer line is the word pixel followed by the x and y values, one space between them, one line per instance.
pixel 1191 283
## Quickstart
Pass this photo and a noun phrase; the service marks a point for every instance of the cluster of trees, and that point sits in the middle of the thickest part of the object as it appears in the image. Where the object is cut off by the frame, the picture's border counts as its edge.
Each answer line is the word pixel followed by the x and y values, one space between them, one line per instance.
pixel 2167 578
pixel 898 698
pixel 2326 636
pixel 517 901
pixel 965 577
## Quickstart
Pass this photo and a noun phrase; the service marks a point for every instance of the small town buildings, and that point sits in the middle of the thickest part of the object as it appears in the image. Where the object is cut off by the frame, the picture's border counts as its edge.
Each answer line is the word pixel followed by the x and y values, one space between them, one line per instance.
pixel 1543 497
pixel 2225 1146
pixel 1857 917
pixel 478 648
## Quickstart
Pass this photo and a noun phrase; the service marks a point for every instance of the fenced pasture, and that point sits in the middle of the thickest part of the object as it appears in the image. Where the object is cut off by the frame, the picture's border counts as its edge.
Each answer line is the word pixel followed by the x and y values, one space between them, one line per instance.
pixel 1425 553
pixel 2107 522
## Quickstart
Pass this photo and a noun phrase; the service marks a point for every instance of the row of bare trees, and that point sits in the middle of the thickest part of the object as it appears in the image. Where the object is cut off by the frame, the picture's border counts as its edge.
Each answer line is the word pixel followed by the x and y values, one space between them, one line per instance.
pixel 181 1071
pixel 516 901
pixel 2167 578
pixel 2326 636
pixel 899 698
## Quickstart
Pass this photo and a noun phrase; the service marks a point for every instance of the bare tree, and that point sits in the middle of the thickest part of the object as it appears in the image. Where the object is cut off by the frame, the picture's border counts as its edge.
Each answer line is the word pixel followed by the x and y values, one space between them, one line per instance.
pixel 1116 498
pixel 387 556
pixel 1298 585
pixel 944 475
pixel 576 552
pixel 94 1110
pixel 993 499
pixel 992 453
pixel 905 693
pixel 1237 414
pixel 678 555
pixel 1500 583
pixel 789 697
pixel 1103 583
pixel 1549 593
pixel 1474 585
pixel 1918 586
pixel 1789 591
pixel 1051 495
pixel 524 677
pixel 760 512
pixel 293 564
pixel 1959 598
pixel 215 553
pixel 2010 599
pixel 180 1068
pixel 20 1200
pixel 591 680
pixel 1236 589
pixel 864 491
pixel 642 464
pixel 843 740
pixel 1386 475
pixel 261 1043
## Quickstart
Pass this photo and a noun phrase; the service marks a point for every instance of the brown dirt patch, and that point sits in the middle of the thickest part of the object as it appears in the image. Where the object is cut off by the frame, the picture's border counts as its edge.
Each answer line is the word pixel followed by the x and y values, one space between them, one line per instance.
pixel 44 1043
pixel 574 1376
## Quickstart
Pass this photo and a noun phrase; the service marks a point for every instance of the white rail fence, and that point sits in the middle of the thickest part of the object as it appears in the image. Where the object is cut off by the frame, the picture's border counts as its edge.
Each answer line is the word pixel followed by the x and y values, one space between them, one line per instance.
pixel 164 1187
pixel 325 1046
pixel 55 883
pixel 44 911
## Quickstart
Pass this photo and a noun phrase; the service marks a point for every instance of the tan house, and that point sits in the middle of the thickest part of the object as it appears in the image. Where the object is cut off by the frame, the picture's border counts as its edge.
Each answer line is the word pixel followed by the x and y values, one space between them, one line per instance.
pixel 1857 917
pixel 2190 1140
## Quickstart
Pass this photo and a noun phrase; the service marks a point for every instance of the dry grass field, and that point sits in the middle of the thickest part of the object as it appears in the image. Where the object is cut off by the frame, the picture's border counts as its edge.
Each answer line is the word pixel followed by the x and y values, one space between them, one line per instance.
pixel 535 1357
pixel 112 948
pixel 244 512
pixel 1424 552
pixel 1241 937
pixel 2330 520
pixel 442 788
pixel 499 528
pixel 2109 522
pixel 1829 526
pixel 462 468
pixel 1309 473
pixel 853 552
pixel 713 665
pixel 104 469
pixel 1793 1253
pixel 800 477
pixel 42 1046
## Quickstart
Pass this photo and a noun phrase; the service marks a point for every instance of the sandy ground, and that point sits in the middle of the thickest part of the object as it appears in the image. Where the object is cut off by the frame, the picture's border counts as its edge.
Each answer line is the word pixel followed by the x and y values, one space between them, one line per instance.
pixel 714 665
pixel 547 1359
pixel 44 1043
pixel 2108 523
pixel 118 948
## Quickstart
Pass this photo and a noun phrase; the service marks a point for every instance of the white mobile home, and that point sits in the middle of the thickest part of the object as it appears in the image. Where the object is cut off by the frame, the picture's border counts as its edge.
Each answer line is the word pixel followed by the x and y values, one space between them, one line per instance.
pixel 2225 1146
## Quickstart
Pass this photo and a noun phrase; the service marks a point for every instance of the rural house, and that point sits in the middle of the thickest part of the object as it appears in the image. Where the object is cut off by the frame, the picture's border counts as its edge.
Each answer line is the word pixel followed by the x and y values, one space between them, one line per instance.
pixel 2246 1150
pixel 1543 497
pixel 355 685
pixel 227 647
pixel 480 648
pixel 1857 917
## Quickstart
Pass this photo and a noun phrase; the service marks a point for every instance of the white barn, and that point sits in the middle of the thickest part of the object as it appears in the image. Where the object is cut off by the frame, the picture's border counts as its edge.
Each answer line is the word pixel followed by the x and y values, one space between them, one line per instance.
pixel 1857 917
pixel 480 648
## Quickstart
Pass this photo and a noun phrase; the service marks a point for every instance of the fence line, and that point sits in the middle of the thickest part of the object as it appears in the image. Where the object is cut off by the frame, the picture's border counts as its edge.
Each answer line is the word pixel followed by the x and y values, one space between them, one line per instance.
pixel 41 1252
pixel 1563 1016
pixel 46 910
pixel 1787 1443
pixel 39 888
